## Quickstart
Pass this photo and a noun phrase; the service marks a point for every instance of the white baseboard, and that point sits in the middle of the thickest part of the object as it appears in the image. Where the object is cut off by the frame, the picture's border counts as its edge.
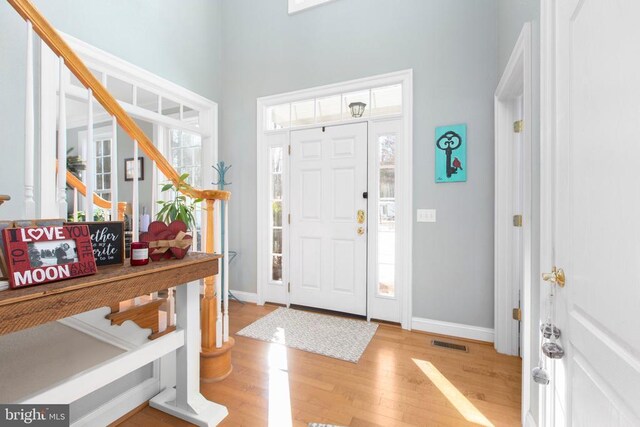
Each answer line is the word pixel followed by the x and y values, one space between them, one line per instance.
pixel 121 405
pixel 452 329
pixel 245 296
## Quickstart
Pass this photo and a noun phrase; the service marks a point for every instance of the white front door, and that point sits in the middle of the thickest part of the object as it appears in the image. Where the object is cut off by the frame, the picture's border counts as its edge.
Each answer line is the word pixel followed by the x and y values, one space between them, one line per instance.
pixel 328 244
pixel 591 217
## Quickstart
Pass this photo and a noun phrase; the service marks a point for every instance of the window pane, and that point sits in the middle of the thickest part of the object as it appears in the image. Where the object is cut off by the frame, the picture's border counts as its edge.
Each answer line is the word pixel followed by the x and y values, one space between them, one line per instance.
pixel 147 100
pixel 106 147
pixel 99 148
pixel 276 268
pixel 277 241
pixel 387 146
pixel 276 208
pixel 329 109
pixel 276 191
pixel 348 98
pixel 386 216
pixel 387 183
pixel 107 181
pixel 191 116
pixel 99 165
pixel 303 113
pixel 121 90
pixel 106 164
pixel 386 100
pixel 278 117
pixel 276 160
pixel 170 108
pixel 99 182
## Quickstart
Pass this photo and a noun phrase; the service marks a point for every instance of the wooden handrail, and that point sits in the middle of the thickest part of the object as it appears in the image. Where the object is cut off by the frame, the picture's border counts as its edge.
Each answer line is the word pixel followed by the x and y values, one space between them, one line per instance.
pixel 4 198
pixel 75 182
pixel 50 36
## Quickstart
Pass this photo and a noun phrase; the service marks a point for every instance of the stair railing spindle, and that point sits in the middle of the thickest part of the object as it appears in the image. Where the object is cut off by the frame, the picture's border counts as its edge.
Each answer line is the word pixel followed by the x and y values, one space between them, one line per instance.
pixel 91 161
pixel 62 143
pixel 29 129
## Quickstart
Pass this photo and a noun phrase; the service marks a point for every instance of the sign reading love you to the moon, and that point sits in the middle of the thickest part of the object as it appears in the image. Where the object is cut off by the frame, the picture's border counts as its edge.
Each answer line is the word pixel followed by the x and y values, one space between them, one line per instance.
pixel 108 241
pixel 47 254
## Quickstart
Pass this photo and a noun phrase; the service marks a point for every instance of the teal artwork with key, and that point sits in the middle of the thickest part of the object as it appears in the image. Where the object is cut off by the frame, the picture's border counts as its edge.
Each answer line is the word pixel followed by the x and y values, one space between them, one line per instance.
pixel 451 153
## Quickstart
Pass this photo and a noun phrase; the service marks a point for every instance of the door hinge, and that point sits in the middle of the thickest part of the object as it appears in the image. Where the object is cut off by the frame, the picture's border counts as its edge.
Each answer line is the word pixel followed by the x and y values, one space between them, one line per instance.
pixel 289 218
pixel 289 149
pixel 289 287
pixel 518 126
pixel 517 220
pixel 517 314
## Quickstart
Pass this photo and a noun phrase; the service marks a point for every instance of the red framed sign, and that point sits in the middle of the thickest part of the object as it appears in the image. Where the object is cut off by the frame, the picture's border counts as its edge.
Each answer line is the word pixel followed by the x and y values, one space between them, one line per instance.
pixel 39 255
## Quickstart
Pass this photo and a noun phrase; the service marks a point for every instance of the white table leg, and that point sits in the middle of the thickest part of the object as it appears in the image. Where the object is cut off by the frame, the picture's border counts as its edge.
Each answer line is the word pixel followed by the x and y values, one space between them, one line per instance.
pixel 185 401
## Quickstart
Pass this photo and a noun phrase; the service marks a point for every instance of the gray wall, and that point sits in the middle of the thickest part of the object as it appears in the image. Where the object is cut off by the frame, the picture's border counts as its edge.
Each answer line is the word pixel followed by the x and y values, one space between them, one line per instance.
pixel 179 43
pixel 512 14
pixel 452 47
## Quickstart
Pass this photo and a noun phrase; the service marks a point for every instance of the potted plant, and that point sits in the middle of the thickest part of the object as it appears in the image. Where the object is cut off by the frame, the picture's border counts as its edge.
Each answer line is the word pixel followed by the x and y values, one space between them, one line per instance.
pixel 181 207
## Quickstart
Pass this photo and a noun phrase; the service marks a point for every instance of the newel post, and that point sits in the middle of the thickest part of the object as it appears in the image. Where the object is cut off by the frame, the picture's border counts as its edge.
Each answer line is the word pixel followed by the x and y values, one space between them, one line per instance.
pixel 215 356
pixel 208 310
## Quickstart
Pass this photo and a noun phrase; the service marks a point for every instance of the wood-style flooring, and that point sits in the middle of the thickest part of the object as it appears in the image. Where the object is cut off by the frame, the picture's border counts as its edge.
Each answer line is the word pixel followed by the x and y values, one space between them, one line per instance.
pixel 401 380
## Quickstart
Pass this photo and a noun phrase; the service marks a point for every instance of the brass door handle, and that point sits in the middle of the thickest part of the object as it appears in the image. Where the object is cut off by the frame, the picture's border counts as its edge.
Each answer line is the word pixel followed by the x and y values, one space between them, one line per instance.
pixel 361 217
pixel 556 276
pixel 360 231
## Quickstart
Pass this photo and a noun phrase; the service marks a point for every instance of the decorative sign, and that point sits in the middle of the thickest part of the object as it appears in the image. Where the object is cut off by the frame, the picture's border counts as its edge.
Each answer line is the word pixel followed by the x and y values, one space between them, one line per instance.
pixel 107 239
pixel 451 153
pixel 21 223
pixel 47 254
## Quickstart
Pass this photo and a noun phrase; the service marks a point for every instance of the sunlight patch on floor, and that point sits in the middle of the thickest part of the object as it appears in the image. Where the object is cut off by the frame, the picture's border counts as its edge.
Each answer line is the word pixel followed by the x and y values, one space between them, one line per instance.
pixel 279 396
pixel 457 399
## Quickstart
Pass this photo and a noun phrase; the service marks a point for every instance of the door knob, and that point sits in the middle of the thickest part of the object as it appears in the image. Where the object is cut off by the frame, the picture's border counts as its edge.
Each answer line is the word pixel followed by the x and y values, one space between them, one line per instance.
pixel 361 216
pixel 556 276
pixel 360 231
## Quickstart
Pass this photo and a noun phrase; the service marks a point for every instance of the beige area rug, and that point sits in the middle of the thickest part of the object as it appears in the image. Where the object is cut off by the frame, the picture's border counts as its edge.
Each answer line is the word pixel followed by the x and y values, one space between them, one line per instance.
pixel 332 336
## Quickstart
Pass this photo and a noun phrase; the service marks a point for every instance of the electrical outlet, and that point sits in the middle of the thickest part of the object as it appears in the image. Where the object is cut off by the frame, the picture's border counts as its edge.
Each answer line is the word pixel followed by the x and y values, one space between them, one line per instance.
pixel 426 215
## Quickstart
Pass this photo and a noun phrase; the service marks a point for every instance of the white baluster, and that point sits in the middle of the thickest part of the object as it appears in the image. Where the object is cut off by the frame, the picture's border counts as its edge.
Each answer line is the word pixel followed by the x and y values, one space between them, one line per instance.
pixel 62 144
pixel 29 130
pixel 114 169
pixel 134 206
pixel 219 329
pixel 225 270
pixel 75 205
pixel 91 159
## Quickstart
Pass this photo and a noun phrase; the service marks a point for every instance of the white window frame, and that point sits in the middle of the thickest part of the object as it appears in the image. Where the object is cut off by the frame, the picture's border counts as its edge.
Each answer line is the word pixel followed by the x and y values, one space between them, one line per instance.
pixel 296 6
pixel 267 139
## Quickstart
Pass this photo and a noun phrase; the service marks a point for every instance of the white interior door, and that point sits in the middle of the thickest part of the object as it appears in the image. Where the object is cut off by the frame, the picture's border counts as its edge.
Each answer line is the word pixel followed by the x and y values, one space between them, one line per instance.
pixel 328 248
pixel 517 267
pixel 593 217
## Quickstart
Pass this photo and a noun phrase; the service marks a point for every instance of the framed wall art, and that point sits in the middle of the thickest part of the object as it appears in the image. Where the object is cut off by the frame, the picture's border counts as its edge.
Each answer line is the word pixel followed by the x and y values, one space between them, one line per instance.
pixel 451 153
pixel 128 169
pixel 37 255
pixel 107 238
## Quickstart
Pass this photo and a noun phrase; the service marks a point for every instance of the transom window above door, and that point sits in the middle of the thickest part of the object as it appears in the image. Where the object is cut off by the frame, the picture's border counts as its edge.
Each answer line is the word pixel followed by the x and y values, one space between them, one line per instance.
pixel 378 102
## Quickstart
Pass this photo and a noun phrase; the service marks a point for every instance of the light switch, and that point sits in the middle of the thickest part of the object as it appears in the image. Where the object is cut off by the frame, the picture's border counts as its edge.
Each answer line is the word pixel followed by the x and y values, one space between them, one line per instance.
pixel 426 215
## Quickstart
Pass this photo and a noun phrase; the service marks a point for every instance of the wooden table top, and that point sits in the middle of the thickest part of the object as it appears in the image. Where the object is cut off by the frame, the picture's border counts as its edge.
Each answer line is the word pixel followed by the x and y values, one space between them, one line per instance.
pixel 34 305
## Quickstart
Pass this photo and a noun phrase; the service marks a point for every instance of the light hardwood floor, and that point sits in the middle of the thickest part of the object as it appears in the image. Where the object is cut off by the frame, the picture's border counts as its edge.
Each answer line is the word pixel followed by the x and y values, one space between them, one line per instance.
pixel 401 380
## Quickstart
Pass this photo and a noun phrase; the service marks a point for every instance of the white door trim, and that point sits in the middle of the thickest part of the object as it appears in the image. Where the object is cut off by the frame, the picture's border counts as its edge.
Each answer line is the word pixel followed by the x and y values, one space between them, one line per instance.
pixel 547 143
pixel 404 179
pixel 516 80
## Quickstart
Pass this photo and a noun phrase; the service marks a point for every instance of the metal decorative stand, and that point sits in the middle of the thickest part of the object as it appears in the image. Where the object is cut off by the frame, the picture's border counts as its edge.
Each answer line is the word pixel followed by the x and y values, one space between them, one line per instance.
pixel 222 169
